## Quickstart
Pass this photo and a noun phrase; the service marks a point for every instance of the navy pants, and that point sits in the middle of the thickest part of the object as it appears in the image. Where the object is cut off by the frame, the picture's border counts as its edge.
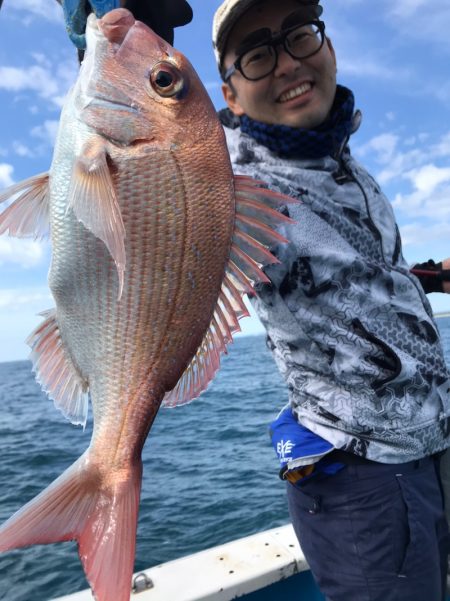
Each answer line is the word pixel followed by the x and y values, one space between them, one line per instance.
pixel 374 532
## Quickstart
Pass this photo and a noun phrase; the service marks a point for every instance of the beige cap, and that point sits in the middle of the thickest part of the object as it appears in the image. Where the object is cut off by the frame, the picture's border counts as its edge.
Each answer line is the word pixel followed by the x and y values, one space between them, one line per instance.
pixel 231 11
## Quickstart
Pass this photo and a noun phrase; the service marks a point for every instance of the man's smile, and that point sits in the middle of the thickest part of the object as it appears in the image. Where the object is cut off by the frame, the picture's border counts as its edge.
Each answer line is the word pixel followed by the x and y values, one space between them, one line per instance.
pixel 295 92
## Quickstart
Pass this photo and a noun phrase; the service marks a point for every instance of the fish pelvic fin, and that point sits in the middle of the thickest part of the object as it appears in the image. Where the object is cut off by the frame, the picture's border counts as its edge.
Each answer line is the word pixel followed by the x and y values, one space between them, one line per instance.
pixel 253 237
pixel 92 197
pixel 28 215
pixel 80 505
pixel 56 372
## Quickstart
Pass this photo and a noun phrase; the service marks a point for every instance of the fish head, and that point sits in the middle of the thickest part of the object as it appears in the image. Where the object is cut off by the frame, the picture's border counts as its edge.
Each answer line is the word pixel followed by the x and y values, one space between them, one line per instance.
pixel 135 87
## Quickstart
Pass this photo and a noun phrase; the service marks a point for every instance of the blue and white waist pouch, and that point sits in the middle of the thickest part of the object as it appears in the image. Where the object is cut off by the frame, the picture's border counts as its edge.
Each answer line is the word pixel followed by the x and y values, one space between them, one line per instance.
pixel 298 449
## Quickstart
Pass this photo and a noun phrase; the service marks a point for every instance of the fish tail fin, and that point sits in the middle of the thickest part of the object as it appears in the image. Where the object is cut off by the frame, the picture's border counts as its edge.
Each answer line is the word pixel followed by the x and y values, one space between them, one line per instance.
pixel 102 517
pixel 108 542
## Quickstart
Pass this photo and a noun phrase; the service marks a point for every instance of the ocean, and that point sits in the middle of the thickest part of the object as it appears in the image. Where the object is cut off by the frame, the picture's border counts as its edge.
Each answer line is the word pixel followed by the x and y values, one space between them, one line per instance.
pixel 210 473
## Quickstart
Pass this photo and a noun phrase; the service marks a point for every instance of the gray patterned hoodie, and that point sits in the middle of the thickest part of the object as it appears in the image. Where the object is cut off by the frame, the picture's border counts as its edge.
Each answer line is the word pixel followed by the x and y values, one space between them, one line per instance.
pixel 349 326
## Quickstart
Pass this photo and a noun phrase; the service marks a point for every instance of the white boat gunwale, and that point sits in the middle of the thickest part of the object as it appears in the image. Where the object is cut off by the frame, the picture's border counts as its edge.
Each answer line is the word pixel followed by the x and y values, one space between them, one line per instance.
pixel 221 573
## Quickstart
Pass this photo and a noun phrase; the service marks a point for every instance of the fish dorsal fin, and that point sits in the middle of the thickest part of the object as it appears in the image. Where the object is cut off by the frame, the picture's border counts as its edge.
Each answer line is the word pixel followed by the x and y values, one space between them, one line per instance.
pixel 56 372
pixel 93 199
pixel 252 238
pixel 28 215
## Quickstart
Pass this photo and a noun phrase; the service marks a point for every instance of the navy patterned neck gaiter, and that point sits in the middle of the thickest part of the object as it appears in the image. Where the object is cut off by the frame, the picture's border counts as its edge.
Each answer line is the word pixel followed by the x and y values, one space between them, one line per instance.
pixel 297 142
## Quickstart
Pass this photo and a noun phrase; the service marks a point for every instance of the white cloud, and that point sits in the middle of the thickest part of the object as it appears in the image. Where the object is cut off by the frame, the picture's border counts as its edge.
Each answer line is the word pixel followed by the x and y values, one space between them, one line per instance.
pixel 34 78
pixel 430 196
pixel 385 151
pixel 429 177
pixel 415 234
pixel 429 204
pixel 48 81
pixel 14 299
pixel 420 167
pixel 370 67
pixel 6 172
pixel 46 132
pixel 416 19
pixel 383 145
pixel 407 8
pixel 25 253
pixel 442 148
pixel 46 9
pixel 19 308
pixel 21 149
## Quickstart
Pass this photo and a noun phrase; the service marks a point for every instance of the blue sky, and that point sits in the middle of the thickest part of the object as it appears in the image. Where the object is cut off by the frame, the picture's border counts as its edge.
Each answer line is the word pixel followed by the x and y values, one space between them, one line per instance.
pixel 394 55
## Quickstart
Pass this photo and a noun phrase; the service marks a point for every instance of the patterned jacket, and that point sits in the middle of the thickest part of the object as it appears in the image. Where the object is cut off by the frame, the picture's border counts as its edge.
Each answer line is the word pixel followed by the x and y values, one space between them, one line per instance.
pixel 349 326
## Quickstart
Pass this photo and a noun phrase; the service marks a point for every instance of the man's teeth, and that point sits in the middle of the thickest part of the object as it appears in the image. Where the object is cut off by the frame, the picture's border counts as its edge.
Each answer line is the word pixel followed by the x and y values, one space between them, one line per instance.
pixel 295 92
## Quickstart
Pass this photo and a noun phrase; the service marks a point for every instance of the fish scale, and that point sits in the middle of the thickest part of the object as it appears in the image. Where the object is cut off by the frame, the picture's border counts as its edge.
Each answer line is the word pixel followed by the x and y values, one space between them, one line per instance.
pixel 154 242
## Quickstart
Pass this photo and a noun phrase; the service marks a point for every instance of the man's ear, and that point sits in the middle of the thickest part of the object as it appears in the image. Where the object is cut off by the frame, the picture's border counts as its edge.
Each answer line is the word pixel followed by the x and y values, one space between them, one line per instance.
pixel 230 96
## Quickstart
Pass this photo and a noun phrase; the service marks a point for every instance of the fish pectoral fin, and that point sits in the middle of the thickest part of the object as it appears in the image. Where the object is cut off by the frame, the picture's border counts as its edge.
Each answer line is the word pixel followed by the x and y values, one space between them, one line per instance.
pixel 252 238
pixel 93 199
pixel 55 371
pixel 101 517
pixel 28 215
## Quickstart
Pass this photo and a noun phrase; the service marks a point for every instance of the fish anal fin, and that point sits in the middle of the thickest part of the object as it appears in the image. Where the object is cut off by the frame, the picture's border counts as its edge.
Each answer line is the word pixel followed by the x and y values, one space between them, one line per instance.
pixel 28 214
pixel 80 505
pixel 254 233
pixel 258 230
pixel 93 199
pixel 198 374
pixel 205 363
pixel 252 188
pixel 250 253
pixel 55 371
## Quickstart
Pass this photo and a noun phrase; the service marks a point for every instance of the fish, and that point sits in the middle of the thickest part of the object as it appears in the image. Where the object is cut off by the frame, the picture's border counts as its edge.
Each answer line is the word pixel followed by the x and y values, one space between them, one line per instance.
pixel 154 244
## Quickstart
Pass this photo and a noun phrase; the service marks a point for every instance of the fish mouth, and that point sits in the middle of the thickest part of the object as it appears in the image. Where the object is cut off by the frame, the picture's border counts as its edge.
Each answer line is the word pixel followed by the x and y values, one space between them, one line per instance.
pixel 296 92
pixel 108 104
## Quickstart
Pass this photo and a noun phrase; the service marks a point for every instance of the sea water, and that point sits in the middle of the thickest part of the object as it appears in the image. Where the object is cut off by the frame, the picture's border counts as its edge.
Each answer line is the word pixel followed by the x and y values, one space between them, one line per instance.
pixel 210 473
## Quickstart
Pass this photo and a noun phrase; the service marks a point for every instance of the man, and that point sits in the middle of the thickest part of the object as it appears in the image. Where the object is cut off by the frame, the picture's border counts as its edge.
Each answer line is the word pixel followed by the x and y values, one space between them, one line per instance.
pixel 349 325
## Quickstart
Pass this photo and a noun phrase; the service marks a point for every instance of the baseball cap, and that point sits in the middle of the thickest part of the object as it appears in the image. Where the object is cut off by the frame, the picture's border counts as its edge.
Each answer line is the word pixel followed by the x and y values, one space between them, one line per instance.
pixel 230 11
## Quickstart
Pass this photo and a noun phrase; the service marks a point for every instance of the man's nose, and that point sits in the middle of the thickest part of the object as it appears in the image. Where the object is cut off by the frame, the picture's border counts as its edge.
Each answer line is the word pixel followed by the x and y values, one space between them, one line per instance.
pixel 286 63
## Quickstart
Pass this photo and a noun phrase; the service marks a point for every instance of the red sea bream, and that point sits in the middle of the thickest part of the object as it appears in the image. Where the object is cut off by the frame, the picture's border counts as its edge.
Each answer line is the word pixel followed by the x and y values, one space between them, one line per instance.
pixel 154 242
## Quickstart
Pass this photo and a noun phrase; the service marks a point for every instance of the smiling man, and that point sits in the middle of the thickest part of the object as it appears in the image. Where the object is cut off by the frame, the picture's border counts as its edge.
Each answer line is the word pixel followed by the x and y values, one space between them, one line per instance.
pixel 349 325
pixel 295 99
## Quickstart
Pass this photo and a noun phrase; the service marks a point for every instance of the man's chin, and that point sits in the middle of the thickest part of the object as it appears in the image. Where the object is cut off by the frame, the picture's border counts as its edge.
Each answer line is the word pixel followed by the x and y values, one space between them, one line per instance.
pixel 303 121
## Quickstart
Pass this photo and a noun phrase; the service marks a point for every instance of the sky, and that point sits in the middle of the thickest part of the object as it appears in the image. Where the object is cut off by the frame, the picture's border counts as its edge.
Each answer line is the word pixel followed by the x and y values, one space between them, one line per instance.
pixel 395 56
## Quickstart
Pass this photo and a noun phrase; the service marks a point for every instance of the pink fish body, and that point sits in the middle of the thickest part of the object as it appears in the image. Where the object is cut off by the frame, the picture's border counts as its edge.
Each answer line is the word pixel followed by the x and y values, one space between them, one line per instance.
pixel 154 243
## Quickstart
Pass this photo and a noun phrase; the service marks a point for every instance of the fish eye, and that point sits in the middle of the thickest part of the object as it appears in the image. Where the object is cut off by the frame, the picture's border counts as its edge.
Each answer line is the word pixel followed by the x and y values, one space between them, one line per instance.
pixel 166 79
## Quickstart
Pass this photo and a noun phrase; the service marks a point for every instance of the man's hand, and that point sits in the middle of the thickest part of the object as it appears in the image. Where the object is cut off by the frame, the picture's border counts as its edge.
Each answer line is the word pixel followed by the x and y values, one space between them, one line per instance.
pixel 446 267
pixel 162 15
pixel 434 277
